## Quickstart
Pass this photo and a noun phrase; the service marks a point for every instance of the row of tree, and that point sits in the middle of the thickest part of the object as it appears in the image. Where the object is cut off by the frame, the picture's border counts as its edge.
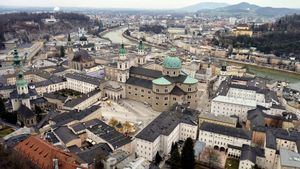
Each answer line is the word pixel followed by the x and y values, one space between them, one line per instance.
pixel 185 159
pixel 157 29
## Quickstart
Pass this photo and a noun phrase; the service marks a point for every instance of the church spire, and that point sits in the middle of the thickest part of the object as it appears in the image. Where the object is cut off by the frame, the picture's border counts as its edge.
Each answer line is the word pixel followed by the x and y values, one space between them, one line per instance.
pixel 122 52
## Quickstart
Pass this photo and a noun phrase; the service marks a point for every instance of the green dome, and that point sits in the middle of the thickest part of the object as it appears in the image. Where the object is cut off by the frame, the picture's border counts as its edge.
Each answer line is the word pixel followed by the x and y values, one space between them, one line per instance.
pixel 161 81
pixel 172 62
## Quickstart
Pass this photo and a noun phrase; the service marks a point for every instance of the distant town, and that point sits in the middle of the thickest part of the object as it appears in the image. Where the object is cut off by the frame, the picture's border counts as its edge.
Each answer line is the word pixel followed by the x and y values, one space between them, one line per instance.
pixel 208 86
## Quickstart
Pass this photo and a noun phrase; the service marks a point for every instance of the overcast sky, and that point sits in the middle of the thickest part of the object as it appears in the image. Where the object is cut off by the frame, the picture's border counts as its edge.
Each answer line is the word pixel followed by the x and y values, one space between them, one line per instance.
pixel 145 4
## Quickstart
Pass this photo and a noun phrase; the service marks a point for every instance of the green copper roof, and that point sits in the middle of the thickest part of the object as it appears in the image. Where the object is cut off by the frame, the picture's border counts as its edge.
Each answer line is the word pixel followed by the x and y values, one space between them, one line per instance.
pixel 190 80
pixel 122 49
pixel 172 62
pixel 141 46
pixel 20 80
pixel 161 81
pixel 16 59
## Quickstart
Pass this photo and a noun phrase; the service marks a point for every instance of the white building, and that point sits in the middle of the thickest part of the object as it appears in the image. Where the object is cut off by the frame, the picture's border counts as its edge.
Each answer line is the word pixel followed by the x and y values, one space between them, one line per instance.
pixel 219 136
pixel 81 82
pixel 167 128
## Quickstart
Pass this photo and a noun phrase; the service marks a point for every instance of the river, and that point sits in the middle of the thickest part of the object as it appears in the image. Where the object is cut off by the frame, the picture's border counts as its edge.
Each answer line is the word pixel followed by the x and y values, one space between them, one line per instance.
pixel 116 36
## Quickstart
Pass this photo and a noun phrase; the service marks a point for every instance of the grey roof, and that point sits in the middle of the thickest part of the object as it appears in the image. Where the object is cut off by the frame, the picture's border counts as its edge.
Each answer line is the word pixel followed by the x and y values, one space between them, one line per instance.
pixel 39 100
pixel 250 153
pixel 67 117
pixel 178 79
pixel 84 78
pixel 145 72
pixel 109 134
pixel 7 87
pixel 78 127
pixel 89 155
pixel 166 122
pixel 50 137
pixel 225 130
pixel 25 112
pixel 273 133
pixel 289 158
pixel 177 91
pixel 82 56
pixel 139 82
pixel 270 96
pixel 256 116
pixel 55 96
pixel 65 134
pixel 14 140
pixel 84 97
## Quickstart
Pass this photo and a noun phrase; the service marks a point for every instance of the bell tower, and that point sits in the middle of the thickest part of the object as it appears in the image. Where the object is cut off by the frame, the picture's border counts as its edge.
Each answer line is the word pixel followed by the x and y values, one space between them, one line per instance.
pixel 123 65
pixel 21 85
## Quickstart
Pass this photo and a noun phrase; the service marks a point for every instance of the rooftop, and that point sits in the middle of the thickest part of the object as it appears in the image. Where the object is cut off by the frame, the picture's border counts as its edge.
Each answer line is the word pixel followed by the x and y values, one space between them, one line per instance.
pixel 42 154
pixel 237 101
pixel 289 158
pixel 84 78
pixel 109 134
pixel 225 130
pixel 166 122
pixel 161 81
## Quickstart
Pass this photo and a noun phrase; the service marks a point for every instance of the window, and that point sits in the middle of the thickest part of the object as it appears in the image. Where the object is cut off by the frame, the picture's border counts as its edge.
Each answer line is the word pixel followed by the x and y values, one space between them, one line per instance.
pixel 166 98
pixel 157 90
pixel 189 89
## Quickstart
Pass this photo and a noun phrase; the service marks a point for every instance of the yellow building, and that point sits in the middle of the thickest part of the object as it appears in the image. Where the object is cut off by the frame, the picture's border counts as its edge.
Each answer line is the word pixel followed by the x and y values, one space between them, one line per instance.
pixel 243 30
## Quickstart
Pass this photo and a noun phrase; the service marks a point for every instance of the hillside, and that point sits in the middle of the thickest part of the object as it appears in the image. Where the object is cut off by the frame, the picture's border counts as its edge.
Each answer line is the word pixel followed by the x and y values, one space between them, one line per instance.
pixel 281 38
pixel 202 6
pixel 247 9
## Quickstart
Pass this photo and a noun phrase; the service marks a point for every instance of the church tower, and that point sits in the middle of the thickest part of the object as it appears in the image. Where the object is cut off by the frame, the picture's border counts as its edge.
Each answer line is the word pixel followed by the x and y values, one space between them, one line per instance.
pixel 141 54
pixel 223 72
pixel 123 65
pixel 70 52
pixel 21 96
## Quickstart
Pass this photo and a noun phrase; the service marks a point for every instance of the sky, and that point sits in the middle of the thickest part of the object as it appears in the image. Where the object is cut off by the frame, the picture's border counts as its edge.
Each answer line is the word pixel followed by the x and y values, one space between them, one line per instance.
pixel 142 4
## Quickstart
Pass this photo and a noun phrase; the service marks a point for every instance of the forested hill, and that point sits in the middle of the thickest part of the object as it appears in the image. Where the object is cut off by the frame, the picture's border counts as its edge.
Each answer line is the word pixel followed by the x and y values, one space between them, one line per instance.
pixel 290 23
pixel 14 25
pixel 281 38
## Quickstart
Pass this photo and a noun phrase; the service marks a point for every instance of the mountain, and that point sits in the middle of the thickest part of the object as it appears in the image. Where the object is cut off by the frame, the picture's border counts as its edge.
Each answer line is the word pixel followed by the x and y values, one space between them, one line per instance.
pixel 251 9
pixel 202 6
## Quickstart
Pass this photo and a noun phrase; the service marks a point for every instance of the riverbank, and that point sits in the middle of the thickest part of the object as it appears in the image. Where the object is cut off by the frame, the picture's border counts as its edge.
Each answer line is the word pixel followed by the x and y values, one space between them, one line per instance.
pixel 145 42
pixel 261 71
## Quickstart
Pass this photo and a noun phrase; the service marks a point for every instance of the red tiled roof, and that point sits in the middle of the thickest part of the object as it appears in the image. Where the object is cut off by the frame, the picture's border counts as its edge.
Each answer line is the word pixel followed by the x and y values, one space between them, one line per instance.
pixel 42 154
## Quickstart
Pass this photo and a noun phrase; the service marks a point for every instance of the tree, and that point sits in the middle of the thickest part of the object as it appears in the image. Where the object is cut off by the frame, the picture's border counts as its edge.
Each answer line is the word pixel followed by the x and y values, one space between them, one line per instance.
pixel 98 160
pixel 158 159
pixel 113 122
pixel 69 37
pixel 38 112
pixel 7 116
pixel 187 154
pixel 175 157
pixel 62 52
pixel 213 158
